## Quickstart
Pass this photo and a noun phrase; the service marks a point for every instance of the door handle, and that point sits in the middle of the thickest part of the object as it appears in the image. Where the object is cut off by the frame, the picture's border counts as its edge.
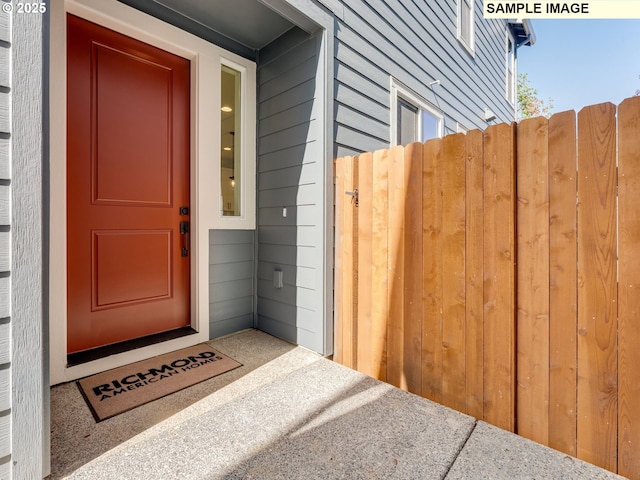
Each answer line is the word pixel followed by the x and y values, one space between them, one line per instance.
pixel 184 232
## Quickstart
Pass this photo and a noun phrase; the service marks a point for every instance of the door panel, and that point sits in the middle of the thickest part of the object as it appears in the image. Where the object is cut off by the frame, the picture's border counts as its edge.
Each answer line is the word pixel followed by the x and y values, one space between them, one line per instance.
pixel 141 271
pixel 124 83
pixel 127 177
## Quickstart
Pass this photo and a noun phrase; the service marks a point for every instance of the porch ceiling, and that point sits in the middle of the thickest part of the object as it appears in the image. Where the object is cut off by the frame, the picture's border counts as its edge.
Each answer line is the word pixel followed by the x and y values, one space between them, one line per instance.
pixel 248 22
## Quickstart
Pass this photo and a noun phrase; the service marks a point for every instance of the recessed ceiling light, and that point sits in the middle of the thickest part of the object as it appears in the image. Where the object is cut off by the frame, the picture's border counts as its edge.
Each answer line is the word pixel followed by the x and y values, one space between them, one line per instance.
pixel 227 109
pixel 227 149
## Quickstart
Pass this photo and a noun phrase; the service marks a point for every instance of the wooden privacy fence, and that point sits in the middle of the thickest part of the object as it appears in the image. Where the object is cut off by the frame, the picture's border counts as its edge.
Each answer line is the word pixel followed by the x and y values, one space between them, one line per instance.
pixel 498 273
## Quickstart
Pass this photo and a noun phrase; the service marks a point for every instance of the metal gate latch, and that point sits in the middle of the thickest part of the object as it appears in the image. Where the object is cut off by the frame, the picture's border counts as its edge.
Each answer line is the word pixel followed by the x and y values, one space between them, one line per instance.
pixel 354 196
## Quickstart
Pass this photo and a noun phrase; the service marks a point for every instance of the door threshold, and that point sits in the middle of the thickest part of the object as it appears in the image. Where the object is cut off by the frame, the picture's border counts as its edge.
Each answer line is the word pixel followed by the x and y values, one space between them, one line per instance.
pixel 87 356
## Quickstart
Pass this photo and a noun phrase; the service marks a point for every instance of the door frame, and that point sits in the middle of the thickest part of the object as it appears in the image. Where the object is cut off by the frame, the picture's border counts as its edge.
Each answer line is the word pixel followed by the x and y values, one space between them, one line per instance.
pixel 206 59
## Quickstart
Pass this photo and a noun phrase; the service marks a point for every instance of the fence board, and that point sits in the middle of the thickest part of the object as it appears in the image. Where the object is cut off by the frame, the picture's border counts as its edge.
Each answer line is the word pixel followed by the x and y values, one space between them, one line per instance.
pixel 474 275
pixel 562 283
pixel 453 265
pixel 533 280
pixel 413 304
pixel 339 272
pixel 380 266
pixel 499 276
pixel 345 271
pixel 395 327
pixel 432 267
pixel 597 369
pixel 365 277
pixel 629 288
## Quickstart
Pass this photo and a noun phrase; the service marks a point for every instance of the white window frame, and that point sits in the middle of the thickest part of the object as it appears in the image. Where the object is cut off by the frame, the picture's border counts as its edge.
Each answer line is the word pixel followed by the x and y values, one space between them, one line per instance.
pixel 398 90
pixel 510 65
pixel 468 44
pixel 247 146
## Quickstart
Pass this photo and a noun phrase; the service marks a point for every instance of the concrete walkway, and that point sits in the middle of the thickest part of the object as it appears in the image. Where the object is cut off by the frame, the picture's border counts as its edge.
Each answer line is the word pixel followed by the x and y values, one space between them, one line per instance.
pixel 290 414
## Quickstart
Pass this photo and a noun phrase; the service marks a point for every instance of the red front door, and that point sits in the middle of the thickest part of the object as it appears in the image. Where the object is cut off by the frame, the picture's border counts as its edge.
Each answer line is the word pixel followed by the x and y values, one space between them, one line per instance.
pixel 127 188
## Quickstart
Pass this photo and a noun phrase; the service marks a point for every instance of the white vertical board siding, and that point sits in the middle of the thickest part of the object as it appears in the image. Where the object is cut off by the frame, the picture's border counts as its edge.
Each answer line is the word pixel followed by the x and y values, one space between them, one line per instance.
pixel 5 147
pixel 5 206
pixel 5 251
pixel 28 421
pixel 5 439
pixel 5 342
pixel 5 246
pixel 5 73
pixel 5 297
pixel 231 281
pixel 5 24
pixel 290 190
pixel 415 42
pixel 5 120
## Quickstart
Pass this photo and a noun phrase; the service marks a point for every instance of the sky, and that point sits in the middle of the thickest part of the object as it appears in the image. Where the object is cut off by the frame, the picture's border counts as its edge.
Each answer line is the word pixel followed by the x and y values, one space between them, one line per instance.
pixel 578 63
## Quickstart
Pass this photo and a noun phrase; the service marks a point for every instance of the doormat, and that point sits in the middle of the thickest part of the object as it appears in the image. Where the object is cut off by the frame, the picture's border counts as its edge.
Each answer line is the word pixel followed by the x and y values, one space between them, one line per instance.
pixel 115 391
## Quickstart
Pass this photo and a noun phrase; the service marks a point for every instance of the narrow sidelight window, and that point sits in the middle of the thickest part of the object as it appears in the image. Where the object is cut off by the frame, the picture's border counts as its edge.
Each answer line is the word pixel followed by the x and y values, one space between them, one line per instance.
pixel 231 142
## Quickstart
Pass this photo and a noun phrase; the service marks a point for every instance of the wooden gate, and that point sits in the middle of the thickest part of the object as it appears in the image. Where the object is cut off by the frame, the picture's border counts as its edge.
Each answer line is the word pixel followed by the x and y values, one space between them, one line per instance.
pixel 496 273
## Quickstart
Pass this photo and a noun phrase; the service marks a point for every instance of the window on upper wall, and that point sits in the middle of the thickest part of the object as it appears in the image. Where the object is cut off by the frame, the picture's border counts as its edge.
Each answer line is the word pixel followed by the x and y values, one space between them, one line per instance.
pixel 466 24
pixel 511 69
pixel 413 119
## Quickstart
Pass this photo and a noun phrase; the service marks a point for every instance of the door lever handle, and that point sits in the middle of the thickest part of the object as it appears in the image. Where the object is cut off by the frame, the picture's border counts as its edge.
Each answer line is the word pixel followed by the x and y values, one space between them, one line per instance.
pixel 184 231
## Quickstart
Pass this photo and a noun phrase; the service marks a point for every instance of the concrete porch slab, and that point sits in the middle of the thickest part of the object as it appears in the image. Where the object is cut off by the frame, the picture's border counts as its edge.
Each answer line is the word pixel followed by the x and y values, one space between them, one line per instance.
pixel 494 453
pixel 76 439
pixel 321 421
pixel 290 414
